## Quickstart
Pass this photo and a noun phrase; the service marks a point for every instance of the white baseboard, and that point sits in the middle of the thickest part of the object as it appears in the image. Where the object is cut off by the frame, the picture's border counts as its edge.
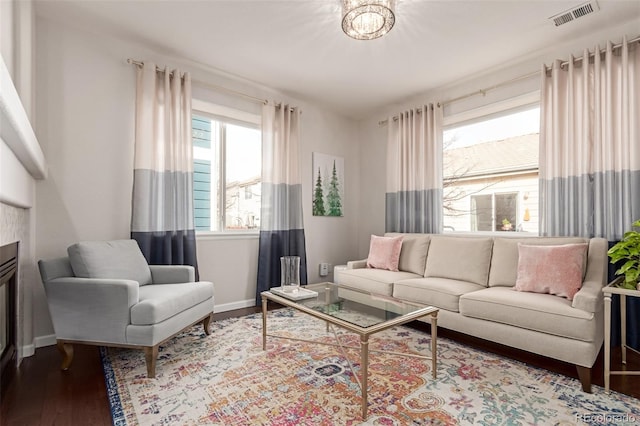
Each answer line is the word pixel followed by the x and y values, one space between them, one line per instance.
pixel 39 342
pixel 42 341
pixel 26 351
pixel 249 303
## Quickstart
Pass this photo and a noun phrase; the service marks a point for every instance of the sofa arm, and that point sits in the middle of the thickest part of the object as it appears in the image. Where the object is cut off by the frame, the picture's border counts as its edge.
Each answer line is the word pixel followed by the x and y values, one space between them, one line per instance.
pixel 357 264
pixel 589 298
pixel 172 274
pixel 91 309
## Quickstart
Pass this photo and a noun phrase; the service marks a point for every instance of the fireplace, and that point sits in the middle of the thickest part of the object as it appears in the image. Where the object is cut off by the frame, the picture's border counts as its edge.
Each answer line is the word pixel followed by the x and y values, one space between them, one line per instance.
pixel 8 302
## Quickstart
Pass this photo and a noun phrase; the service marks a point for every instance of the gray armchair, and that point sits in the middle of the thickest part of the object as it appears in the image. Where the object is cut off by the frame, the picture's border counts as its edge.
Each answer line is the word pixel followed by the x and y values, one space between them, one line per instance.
pixel 104 293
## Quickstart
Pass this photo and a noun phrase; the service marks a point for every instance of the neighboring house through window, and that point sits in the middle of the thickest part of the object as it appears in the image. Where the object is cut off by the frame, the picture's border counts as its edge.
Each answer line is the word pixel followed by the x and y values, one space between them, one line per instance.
pixel 490 168
pixel 227 151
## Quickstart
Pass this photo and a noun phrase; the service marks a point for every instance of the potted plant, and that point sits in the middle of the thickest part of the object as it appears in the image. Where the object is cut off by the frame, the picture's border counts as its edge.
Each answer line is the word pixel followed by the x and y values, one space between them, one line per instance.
pixel 506 225
pixel 628 249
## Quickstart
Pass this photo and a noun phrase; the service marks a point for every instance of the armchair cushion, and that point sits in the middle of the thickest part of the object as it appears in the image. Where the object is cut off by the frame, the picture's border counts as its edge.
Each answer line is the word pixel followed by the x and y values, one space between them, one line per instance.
pixel 119 259
pixel 160 302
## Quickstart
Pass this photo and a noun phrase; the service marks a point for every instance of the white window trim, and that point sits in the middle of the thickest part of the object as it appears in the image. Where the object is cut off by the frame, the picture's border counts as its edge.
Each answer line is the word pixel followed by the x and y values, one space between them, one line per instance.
pixel 224 111
pixel 232 114
pixel 500 107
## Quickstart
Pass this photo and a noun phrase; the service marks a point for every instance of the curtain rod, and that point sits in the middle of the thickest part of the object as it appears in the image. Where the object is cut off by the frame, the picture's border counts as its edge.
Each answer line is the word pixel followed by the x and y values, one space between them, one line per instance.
pixel 209 85
pixel 593 54
pixel 484 91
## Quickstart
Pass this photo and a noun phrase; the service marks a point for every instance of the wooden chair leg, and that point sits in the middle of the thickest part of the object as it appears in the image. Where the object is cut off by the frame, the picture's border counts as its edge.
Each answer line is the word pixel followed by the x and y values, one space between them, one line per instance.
pixel 151 356
pixel 206 323
pixel 66 349
pixel 584 374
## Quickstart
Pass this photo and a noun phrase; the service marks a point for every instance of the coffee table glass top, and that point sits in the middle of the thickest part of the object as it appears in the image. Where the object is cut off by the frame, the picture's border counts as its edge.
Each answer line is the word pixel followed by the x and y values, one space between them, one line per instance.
pixel 354 306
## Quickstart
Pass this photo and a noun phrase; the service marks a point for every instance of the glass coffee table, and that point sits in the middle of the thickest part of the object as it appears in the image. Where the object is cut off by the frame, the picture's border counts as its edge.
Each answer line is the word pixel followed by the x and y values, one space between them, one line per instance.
pixel 357 311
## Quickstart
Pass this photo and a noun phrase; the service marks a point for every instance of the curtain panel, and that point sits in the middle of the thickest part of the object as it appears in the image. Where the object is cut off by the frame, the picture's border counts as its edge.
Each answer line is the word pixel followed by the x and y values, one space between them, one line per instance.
pixel 414 171
pixel 590 144
pixel 590 154
pixel 281 220
pixel 162 205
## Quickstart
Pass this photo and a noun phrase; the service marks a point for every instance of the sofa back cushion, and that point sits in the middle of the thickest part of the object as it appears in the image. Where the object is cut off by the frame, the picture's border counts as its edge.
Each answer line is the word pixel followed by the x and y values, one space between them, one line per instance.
pixel 460 258
pixel 119 259
pixel 413 256
pixel 504 262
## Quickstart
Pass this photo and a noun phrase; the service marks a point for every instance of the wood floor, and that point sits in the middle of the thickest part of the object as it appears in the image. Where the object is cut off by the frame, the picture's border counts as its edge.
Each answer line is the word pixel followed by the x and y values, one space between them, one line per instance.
pixel 42 394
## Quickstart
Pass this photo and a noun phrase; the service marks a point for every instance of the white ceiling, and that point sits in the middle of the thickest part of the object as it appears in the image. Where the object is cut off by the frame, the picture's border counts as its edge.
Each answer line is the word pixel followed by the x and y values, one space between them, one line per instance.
pixel 298 46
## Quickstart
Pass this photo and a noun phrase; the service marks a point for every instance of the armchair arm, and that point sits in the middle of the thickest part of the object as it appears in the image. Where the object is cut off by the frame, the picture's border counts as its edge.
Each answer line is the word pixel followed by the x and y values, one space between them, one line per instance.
pixel 357 264
pixel 172 274
pixel 91 309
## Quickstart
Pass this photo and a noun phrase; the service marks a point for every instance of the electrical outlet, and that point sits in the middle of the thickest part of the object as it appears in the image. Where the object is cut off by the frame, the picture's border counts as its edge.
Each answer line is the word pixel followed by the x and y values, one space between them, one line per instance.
pixel 324 269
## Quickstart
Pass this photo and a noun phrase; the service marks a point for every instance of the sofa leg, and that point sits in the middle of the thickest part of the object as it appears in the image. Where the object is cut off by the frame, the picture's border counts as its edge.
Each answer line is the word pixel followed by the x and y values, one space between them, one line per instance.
pixel 584 373
pixel 206 323
pixel 66 349
pixel 151 356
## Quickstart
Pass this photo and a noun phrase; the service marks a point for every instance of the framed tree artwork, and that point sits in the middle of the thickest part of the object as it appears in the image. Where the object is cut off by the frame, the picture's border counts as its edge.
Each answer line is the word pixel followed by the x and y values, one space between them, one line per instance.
pixel 328 185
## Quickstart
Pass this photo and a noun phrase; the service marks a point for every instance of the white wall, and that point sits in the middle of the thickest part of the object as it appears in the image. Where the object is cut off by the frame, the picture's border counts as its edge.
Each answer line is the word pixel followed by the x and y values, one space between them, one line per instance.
pixel 374 136
pixel 86 118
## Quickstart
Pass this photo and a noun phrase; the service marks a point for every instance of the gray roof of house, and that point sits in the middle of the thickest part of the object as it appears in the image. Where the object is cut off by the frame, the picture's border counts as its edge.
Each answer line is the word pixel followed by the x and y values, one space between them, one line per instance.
pixel 495 157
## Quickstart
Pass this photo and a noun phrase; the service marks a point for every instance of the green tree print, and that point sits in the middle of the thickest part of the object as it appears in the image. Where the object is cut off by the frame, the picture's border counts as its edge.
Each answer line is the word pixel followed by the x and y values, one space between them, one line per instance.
pixel 318 197
pixel 333 198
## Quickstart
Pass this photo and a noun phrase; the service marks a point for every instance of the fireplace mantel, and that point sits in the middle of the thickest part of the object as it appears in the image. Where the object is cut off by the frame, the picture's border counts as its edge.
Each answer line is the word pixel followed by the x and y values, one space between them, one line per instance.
pixel 16 130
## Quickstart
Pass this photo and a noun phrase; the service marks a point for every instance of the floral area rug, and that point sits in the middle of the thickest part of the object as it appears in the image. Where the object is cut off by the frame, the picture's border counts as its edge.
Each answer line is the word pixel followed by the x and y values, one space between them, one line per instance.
pixel 227 379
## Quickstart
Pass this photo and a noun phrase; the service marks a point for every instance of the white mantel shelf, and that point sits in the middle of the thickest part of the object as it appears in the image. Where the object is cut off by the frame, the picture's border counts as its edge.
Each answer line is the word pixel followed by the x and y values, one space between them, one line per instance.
pixel 16 130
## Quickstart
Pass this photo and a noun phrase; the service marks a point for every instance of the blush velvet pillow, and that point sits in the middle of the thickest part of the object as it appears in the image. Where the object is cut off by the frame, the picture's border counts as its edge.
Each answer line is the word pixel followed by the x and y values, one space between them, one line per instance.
pixel 384 252
pixel 551 269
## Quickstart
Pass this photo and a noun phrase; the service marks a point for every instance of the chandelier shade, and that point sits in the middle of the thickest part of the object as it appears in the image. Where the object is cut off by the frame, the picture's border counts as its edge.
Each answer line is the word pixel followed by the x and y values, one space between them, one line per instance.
pixel 367 19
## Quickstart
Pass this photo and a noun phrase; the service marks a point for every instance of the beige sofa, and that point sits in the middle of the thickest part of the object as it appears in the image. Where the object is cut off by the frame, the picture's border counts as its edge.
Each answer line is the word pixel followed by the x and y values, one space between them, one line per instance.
pixel 471 279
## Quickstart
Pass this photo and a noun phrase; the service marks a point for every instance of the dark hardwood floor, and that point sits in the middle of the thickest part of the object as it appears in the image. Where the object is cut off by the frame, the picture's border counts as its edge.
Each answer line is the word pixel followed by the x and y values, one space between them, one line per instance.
pixel 42 394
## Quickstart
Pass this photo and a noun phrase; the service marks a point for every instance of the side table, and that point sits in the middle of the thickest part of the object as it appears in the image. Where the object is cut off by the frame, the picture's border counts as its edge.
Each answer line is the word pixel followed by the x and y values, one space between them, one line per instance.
pixel 608 291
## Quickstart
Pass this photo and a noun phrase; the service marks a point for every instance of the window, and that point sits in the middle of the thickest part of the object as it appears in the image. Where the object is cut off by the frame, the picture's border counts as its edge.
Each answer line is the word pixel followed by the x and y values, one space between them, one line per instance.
pixel 494 212
pixel 227 174
pixel 490 170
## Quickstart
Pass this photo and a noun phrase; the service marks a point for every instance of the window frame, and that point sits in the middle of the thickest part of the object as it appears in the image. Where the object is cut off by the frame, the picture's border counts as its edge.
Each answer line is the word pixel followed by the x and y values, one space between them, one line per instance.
pixel 225 115
pixel 494 203
pixel 486 112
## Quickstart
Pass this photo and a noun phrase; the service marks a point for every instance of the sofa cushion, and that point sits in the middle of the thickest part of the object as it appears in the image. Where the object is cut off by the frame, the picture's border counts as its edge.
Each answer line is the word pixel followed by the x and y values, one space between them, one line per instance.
pixel 442 293
pixel 384 252
pixel 158 302
pixel 119 259
pixel 372 280
pixel 413 255
pixel 551 269
pixel 539 312
pixel 504 262
pixel 459 258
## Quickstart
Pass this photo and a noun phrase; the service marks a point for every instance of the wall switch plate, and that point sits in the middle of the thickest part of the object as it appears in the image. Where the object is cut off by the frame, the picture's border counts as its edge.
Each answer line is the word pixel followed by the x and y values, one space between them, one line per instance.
pixel 324 269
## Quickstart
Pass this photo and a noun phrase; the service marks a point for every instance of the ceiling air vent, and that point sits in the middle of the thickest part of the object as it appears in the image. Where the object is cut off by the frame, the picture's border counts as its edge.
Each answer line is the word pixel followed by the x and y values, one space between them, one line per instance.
pixel 575 13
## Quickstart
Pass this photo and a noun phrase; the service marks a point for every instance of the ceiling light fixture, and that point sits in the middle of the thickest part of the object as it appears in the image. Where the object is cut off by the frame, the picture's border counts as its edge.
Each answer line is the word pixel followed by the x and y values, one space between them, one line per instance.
pixel 367 19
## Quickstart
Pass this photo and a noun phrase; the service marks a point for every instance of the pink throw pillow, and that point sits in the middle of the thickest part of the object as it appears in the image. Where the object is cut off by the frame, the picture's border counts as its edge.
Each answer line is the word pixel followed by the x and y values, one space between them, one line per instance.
pixel 384 252
pixel 551 269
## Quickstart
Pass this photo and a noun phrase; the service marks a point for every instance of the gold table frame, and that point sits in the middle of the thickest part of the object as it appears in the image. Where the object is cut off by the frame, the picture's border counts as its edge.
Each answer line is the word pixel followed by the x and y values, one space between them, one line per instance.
pixel 608 291
pixel 363 332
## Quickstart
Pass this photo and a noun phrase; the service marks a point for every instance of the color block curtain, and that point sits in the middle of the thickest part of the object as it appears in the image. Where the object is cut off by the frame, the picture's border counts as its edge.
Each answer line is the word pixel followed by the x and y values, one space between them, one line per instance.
pixel 162 217
pixel 590 154
pixel 414 171
pixel 281 222
pixel 590 145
